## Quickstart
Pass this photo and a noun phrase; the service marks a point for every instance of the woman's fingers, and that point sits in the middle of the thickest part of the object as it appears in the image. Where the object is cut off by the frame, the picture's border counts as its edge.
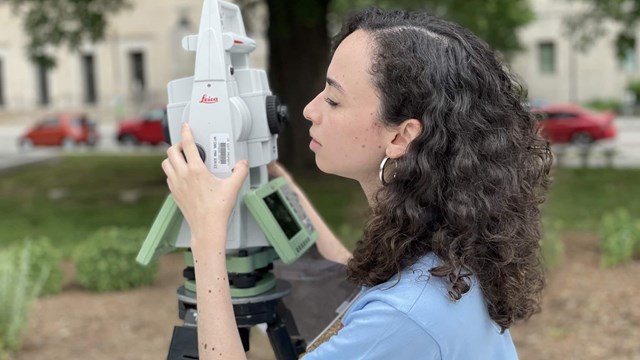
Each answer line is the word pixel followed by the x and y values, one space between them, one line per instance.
pixel 167 167
pixel 176 159
pixel 240 172
pixel 189 145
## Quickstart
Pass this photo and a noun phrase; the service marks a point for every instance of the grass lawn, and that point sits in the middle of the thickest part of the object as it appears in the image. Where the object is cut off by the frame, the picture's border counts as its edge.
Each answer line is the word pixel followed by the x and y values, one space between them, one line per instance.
pixel 579 198
pixel 73 198
pixel 69 200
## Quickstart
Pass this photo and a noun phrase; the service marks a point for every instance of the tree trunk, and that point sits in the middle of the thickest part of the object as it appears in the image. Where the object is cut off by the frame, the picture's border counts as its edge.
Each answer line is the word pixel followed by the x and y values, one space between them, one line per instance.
pixel 298 59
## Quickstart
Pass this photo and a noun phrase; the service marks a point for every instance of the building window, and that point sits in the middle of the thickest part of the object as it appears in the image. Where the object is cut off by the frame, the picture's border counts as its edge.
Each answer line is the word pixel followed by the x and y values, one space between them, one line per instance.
pixel 43 85
pixel 547 57
pixel 627 57
pixel 2 103
pixel 136 59
pixel 89 73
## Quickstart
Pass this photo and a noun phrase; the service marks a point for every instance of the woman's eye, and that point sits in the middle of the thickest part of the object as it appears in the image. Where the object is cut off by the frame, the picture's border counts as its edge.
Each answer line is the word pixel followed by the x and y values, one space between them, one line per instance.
pixel 331 102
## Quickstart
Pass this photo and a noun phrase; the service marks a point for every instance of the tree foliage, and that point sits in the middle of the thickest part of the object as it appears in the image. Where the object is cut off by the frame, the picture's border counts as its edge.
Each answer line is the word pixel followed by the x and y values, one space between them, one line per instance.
pixel 590 24
pixel 50 24
pixel 495 21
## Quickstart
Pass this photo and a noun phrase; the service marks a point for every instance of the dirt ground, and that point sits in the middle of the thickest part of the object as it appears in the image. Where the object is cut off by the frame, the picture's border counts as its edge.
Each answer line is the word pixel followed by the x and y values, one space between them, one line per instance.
pixel 588 313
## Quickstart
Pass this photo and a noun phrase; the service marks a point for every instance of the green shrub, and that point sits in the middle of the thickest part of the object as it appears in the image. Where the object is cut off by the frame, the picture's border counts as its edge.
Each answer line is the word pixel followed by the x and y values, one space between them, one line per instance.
pixel 107 261
pixel 634 87
pixel 604 104
pixel 43 255
pixel 619 238
pixel 551 245
pixel 17 294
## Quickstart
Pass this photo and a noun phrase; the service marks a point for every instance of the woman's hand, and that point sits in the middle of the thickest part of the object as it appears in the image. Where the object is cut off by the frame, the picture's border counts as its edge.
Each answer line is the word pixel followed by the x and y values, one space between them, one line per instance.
pixel 205 200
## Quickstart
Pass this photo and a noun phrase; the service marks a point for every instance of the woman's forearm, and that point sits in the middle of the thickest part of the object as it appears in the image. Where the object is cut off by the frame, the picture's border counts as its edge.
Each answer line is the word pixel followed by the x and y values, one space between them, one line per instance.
pixel 218 336
pixel 329 246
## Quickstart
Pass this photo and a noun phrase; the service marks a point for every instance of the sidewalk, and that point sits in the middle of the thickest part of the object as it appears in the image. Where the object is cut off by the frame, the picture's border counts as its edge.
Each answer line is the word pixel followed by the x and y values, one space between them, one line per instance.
pixel 10 162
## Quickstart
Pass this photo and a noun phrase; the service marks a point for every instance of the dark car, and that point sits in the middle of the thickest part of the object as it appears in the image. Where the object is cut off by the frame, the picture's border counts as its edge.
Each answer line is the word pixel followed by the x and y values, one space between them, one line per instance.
pixel 568 123
pixel 146 129
pixel 64 129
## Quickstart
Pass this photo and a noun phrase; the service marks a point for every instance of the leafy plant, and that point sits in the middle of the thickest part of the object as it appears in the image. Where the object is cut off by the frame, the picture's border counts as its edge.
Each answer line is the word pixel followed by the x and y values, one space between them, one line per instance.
pixel 619 238
pixel 107 261
pixel 551 245
pixel 43 255
pixel 604 104
pixel 63 22
pixel 18 290
pixel 634 87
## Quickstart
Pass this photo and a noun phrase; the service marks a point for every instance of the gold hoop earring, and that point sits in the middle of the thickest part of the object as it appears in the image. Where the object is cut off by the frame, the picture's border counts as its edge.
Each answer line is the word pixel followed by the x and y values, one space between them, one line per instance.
pixel 383 164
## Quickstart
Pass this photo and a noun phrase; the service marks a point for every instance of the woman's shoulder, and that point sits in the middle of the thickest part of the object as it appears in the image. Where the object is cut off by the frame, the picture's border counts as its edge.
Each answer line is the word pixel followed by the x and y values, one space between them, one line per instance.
pixel 414 286
pixel 421 298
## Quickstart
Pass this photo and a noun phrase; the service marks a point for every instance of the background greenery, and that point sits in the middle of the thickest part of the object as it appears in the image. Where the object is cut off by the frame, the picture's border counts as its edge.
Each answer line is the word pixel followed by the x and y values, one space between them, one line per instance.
pixel 90 190
pixel 581 197
pixel 69 200
pixel 93 188
pixel 106 261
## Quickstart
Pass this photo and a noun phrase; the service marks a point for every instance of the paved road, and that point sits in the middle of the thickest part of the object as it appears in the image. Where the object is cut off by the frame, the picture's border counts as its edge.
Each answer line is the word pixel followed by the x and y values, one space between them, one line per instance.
pixel 11 155
pixel 627 147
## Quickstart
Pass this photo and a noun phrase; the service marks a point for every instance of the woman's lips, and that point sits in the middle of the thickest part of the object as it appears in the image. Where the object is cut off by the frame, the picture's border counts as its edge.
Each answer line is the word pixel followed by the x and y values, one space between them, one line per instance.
pixel 313 145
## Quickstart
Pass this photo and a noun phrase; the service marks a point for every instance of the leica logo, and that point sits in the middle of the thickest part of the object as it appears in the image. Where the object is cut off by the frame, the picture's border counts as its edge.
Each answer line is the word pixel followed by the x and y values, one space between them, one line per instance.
pixel 208 99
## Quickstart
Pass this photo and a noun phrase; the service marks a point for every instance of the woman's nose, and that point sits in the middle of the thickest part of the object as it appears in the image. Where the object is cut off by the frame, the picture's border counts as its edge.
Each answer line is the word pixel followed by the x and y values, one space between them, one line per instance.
pixel 310 112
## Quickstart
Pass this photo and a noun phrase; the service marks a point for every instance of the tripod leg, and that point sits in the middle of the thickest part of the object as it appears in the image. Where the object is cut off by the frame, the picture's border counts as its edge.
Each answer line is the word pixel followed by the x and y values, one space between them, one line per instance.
pixel 184 343
pixel 287 317
pixel 280 341
pixel 244 336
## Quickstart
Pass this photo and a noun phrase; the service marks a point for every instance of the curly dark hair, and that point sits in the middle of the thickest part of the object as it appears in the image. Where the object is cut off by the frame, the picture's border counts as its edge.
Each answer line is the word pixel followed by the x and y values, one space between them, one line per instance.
pixel 470 185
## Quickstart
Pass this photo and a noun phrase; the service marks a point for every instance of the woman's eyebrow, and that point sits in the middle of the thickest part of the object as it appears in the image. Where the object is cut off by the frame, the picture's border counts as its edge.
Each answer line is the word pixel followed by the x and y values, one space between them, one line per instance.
pixel 335 84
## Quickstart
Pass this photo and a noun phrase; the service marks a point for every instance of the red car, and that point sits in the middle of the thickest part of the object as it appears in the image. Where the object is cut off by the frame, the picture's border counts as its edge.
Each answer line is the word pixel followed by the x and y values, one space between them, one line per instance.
pixel 147 129
pixel 568 123
pixel 65 129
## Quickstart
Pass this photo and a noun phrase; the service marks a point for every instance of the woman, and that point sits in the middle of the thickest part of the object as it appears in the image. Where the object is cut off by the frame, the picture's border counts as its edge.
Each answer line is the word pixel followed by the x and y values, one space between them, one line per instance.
pixel 426 118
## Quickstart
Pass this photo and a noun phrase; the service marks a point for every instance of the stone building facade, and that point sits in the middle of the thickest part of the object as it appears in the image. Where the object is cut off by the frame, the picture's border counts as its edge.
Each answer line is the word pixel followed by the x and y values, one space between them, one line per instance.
pixel 121 75
pixel 128 71
pixel 555 71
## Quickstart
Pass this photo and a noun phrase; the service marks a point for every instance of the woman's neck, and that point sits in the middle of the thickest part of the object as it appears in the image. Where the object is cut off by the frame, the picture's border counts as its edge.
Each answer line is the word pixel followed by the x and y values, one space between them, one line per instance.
pixel 370 187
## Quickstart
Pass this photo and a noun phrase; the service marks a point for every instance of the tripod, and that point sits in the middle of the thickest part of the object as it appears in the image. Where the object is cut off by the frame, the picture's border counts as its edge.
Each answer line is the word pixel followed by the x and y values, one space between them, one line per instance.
pixel 266 308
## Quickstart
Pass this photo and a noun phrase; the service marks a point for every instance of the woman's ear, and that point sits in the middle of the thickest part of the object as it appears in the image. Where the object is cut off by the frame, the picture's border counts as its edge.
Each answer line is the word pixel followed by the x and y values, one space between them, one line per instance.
pixel 405 133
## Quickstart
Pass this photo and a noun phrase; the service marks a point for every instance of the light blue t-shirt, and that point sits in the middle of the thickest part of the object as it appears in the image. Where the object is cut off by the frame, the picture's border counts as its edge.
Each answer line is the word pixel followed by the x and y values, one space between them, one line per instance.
pixel 415 319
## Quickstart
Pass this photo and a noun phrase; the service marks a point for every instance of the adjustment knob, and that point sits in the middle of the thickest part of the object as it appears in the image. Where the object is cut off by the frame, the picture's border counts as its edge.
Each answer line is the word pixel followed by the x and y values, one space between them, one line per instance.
pixel 277 114
pixel 201 152
pixel 165 128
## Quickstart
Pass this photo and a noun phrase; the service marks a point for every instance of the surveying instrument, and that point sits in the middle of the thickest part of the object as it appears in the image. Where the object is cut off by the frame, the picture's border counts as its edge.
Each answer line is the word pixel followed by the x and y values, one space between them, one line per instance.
pixel 233 116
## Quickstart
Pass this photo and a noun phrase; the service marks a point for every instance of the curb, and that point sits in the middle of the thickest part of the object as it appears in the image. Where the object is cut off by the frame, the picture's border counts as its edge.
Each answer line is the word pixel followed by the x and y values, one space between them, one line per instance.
pixel 10 164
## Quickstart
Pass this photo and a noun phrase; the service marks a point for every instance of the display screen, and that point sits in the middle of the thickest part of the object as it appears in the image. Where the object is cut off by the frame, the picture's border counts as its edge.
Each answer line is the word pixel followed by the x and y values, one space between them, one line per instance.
pixel 282 215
